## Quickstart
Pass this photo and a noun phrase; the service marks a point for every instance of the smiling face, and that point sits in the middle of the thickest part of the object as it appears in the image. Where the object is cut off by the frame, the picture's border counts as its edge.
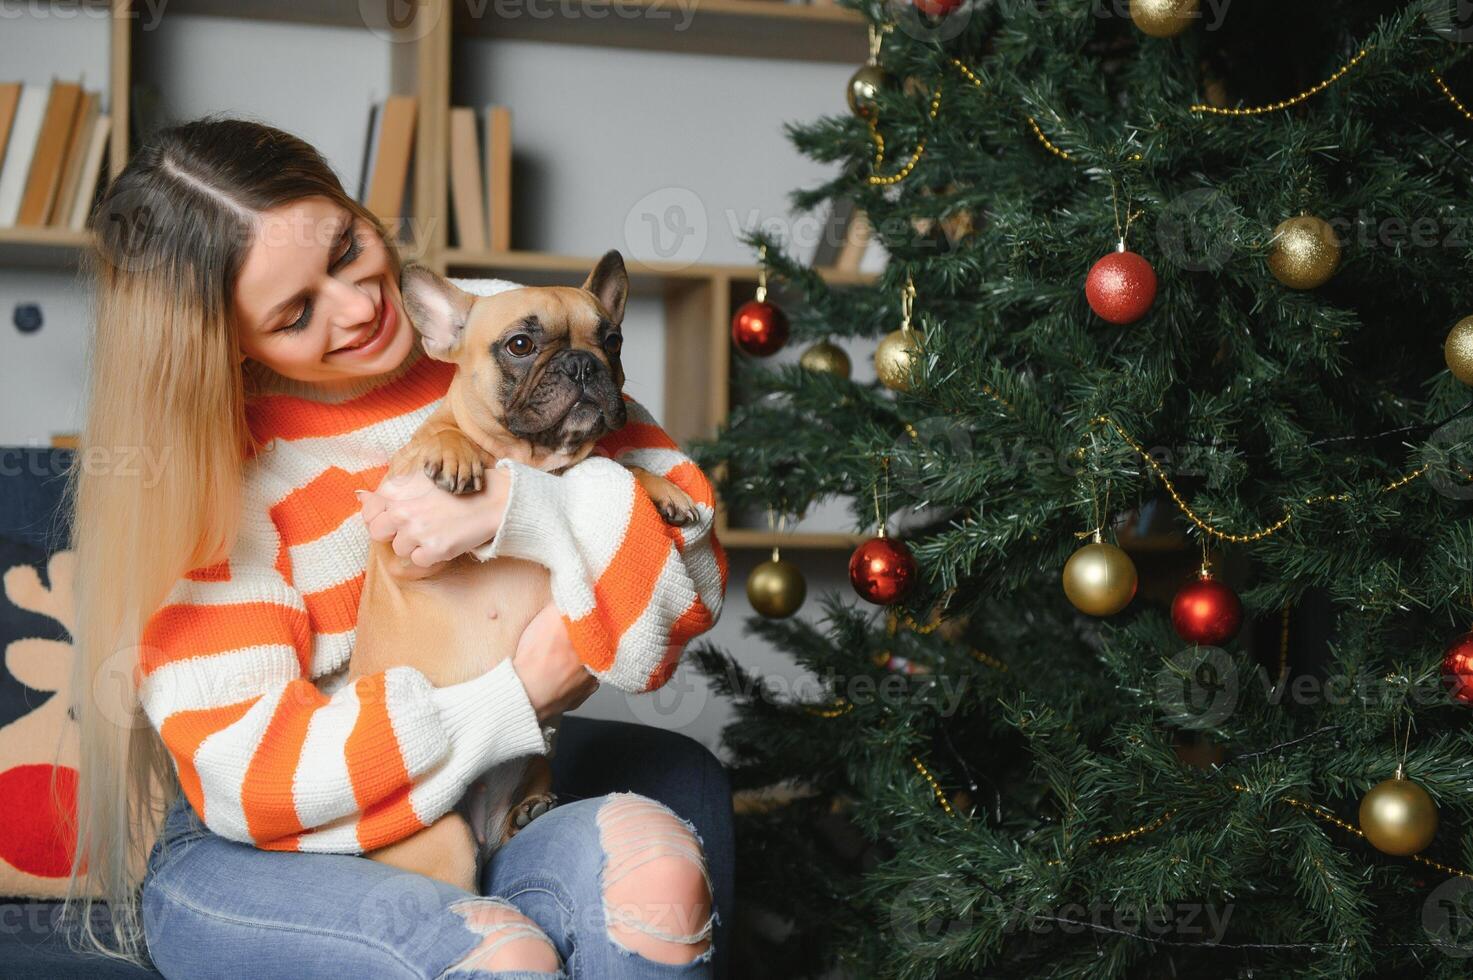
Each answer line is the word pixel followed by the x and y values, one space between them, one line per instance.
pixel 538 364
pixel 317 299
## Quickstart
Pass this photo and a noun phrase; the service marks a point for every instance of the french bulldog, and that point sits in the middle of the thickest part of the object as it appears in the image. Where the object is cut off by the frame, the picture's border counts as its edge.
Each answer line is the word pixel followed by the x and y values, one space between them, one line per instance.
pixel 538 380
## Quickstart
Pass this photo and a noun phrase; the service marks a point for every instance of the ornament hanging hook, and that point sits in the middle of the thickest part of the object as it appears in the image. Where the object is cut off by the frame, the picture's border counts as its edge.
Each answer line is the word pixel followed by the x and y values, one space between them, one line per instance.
pixel 761 272
pixel 907 301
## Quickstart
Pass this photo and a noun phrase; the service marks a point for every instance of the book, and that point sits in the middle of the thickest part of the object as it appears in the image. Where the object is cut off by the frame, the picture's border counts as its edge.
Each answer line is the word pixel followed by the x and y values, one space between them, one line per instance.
pixel 46 164
pixel 29 112
pixel 76 150
pixel 365 172
pixel 498 177
pixel 856 243
pixel 91 172
pixel 9 96
pixel 466 205
pixel 391 159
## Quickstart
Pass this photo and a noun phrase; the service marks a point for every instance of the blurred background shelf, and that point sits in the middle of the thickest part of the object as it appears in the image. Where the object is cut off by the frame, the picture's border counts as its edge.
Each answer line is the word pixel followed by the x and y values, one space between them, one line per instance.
pixel 40 248
pixel 764 28
pixel 691 77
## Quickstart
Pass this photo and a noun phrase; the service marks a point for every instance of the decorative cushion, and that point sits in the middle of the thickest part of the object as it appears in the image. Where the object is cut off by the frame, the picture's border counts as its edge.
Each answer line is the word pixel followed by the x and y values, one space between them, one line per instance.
pixel 38 738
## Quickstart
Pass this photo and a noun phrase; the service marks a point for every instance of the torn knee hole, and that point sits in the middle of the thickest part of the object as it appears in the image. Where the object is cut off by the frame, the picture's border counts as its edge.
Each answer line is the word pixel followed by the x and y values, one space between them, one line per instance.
pixel 656 887
pixel 510 940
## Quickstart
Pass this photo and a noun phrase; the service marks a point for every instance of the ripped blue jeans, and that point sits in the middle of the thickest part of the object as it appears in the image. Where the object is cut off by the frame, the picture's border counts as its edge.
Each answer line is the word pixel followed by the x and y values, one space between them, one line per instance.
pixel 552 899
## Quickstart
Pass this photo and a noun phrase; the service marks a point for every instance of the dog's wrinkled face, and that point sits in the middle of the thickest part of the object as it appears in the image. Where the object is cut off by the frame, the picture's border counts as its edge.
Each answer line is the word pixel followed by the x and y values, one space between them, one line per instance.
pixel 539 363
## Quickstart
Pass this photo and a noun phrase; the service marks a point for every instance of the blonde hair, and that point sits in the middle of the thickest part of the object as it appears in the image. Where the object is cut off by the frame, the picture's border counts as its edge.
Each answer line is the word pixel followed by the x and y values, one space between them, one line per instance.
pixel 154 490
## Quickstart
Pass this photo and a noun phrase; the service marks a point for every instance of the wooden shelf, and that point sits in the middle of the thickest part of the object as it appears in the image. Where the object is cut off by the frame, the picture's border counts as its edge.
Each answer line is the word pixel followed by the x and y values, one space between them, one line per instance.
pixel 744 28
pixel 741 537
pixel 525 261
pixel 698 298
pixel 41 248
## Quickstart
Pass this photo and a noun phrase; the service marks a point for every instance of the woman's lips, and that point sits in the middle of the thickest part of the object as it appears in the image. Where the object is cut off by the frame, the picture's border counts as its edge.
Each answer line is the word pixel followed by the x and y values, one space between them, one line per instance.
pixel 383 331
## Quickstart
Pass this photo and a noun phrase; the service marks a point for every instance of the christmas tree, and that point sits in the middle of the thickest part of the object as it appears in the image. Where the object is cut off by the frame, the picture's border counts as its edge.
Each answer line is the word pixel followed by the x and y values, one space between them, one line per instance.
pixel 1175 429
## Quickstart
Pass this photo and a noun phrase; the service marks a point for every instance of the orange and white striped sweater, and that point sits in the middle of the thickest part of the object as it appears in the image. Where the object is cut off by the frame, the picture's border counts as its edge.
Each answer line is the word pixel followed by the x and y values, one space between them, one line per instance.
pixel 241 668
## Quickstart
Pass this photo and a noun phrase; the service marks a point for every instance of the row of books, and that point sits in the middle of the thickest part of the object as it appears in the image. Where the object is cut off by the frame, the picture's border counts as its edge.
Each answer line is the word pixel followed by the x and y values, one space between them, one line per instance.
pixel 53 139
pixel 480 193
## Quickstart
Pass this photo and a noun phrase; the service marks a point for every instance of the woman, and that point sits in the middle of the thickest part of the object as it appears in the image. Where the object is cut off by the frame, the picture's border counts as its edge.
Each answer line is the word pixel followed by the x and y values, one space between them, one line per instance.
pixel 251 336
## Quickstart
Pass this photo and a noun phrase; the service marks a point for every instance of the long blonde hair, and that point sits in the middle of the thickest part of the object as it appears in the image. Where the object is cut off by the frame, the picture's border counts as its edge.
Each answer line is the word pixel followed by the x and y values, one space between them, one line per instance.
pixel 154 490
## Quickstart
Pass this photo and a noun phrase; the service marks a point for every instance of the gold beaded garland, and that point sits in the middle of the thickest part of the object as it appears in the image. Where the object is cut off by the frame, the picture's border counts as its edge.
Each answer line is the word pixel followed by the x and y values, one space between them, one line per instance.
pixel 1305 252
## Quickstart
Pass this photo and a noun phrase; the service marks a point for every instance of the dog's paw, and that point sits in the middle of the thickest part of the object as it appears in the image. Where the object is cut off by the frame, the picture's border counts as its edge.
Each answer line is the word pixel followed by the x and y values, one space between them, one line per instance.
pixel 451 461
pixel 527 811
pixel 676 506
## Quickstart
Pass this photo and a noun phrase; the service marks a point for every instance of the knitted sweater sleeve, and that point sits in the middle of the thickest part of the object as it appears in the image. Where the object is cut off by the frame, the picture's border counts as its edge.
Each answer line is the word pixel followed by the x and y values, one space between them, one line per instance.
pixel 632 589
pixel 267 758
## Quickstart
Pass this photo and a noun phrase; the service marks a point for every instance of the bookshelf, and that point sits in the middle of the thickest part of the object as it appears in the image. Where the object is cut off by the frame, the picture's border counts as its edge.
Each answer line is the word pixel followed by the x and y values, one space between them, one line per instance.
pixel 697 299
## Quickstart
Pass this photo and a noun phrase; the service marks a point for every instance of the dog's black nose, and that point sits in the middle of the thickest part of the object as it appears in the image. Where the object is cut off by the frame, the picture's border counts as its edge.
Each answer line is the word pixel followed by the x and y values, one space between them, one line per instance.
pixel 579 365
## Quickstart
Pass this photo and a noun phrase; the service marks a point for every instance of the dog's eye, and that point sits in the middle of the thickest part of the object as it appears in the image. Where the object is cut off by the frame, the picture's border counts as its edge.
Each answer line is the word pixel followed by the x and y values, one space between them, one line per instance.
pixel 520 345
pixel 613 343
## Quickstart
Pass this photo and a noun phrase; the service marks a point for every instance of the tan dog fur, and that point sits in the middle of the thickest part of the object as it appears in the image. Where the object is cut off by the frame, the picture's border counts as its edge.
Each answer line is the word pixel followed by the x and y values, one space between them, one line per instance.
pixel 458 619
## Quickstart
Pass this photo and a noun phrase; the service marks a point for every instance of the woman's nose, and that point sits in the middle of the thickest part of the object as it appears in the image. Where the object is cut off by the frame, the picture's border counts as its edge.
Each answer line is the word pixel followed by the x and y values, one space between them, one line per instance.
pixel 352 303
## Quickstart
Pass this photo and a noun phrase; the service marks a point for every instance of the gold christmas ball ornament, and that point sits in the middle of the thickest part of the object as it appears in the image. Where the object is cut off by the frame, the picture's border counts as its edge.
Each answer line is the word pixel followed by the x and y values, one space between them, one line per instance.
pixel 1099 579
pixel 1163 18
pixel 1459 350
pixel 864 86
pixel 825 358
pixel 1305 252
pixel 894 356
pixel 1398 817
pixel 776 588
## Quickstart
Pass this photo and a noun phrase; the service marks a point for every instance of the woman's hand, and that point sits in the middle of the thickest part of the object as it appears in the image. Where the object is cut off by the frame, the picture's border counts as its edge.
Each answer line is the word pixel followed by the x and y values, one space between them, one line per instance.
pixel 555 679
pixel 429 525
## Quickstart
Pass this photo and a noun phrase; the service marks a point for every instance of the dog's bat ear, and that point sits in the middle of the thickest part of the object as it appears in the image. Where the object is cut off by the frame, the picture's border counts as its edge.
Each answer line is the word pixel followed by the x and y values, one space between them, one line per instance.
pixel 609 283
pixel 438 309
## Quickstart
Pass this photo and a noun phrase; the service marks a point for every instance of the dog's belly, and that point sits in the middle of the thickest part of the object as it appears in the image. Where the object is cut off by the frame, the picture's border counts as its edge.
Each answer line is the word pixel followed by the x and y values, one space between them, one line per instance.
pixel 452 625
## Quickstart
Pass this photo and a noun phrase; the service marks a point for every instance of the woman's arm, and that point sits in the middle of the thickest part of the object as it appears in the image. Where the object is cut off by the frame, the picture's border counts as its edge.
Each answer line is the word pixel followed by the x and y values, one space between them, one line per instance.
pixel 267 758
pixel 632 590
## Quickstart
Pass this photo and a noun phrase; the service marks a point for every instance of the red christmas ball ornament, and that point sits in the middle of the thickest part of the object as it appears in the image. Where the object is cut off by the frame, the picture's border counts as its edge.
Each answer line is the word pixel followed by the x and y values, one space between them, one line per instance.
pixel 937 8
pixel 882 570
pixel 1457 669
pixel 1206 612
pixel 1121 287
pixel 760 328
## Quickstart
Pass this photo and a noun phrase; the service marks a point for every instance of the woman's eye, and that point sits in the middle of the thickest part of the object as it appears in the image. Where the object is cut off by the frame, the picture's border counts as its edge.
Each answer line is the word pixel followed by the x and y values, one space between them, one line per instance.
pixel 304 318
pixel 356 244
pixel 613 343
pixel 520 345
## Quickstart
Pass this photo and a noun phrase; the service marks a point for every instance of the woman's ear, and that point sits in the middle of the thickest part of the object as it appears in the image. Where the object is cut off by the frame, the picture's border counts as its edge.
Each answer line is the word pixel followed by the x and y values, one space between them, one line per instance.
pixel 437 308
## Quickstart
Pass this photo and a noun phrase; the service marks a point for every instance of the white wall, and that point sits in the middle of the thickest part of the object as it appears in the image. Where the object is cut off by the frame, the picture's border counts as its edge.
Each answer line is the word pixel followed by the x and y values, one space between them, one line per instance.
pixel 606 140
